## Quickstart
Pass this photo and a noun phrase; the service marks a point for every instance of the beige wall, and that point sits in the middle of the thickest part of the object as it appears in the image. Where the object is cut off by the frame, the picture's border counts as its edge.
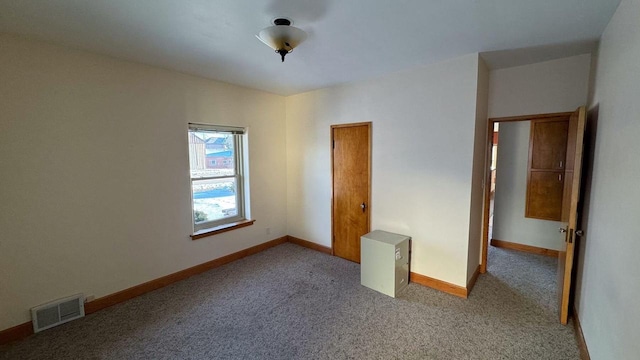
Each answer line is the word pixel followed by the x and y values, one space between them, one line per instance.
pixel 546 87
pixel 94 193
pixel 478 172
pixel 608 282
pixel 423 143
pixel 552 86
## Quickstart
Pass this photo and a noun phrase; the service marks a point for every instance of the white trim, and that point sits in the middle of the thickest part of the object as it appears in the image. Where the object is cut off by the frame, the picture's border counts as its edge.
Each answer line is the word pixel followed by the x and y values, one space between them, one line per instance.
pixel 222 129
pixel 238 176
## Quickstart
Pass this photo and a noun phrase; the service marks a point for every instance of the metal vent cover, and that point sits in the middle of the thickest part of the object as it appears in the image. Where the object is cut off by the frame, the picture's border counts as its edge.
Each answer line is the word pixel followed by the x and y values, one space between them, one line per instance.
pixel 57 312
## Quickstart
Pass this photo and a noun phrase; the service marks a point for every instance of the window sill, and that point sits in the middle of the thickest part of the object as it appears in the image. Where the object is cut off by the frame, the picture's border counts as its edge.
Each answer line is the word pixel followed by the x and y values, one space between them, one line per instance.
pixel 220 229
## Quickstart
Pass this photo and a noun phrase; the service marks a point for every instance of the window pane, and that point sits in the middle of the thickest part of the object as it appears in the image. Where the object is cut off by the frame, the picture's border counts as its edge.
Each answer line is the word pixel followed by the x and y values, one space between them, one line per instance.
pixel 211 154
pixel 214 199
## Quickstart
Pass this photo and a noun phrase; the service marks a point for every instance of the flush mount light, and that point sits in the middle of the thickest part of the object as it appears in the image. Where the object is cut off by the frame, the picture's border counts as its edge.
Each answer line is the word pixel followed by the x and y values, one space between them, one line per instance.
pixel 282 37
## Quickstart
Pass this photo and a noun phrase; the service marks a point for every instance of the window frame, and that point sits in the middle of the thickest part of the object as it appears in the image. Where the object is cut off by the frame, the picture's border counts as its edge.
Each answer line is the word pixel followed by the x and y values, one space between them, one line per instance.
pixel 238 134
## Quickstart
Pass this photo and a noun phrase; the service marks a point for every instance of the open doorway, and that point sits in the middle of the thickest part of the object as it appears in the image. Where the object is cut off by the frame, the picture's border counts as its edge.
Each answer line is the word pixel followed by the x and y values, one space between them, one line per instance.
pixel 527 183
pixel 525 193
pixel 531 201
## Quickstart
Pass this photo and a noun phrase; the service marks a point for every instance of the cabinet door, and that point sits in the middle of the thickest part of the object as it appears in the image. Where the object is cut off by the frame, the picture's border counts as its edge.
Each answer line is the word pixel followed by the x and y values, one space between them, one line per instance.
pixel 547 160
pixel 548 146
pixel 544 195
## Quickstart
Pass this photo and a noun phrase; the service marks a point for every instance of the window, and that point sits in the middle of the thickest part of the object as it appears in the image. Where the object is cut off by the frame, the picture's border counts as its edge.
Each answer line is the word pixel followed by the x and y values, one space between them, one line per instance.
pixel 217 184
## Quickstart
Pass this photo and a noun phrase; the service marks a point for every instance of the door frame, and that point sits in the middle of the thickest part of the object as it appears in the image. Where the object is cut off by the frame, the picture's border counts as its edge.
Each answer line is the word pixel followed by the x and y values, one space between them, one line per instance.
pixel 487 179
pixel 368 124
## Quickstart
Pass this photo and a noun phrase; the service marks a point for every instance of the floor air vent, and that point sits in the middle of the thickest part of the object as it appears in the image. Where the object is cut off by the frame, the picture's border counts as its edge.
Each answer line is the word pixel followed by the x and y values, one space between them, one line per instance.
pixel 57 312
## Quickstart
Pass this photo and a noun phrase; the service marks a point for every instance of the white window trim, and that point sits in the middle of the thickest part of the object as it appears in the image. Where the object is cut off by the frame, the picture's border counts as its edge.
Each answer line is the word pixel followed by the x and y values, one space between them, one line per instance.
pixel 240 163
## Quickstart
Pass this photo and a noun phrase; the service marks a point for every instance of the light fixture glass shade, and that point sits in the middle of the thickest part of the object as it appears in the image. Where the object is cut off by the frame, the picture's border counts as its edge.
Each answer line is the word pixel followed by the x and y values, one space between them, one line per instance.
pixel 282 37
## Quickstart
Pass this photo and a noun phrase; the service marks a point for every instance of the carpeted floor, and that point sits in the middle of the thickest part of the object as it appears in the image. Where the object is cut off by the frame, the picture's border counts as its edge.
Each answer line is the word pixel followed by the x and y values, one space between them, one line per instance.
pixel 294 303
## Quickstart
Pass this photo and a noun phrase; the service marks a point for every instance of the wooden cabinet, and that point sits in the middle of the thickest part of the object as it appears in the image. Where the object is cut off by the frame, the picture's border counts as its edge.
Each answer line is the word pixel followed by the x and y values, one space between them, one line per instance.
pixel 548 145
pixel 545 195
pixel 546 168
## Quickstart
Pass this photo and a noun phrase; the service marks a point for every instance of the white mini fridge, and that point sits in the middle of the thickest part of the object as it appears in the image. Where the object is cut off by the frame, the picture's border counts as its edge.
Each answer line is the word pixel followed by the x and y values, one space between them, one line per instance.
pixel 384 261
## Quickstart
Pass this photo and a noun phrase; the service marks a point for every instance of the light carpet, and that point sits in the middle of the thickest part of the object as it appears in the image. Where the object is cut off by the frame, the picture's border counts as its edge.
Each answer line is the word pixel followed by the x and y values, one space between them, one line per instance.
pixel 290 302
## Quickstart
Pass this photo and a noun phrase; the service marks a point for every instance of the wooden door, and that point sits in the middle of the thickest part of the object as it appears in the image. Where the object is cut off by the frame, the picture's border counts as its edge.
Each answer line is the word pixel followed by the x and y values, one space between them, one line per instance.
pixel 351 169
pixel 571 196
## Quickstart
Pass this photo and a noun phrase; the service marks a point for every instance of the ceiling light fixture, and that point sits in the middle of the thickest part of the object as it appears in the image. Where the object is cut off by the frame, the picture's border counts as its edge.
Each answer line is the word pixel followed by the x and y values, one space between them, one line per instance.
pixel 282 37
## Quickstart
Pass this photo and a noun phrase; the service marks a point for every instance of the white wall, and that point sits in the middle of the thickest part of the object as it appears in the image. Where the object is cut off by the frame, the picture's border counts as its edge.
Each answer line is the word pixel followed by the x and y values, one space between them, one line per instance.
pixel 608 283
pixel 552 86
pixel 94 193
pixel 509 223
pixel 547 87
pixel 423 142
pixel 478 173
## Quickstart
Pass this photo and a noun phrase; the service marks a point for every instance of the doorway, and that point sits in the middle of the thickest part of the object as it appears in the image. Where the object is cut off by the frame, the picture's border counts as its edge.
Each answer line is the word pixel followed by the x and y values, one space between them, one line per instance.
pixel 515 137
pixel 541 216
pixel 351 188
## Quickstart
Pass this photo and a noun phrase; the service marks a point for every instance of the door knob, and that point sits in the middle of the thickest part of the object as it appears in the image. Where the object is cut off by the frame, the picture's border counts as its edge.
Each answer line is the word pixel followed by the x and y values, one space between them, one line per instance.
pixel 363 206
pixel 579 233
pixel 562 230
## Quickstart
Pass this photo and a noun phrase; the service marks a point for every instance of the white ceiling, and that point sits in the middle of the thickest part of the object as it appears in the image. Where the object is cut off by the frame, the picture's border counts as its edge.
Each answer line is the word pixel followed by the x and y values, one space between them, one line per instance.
pixel 348 40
